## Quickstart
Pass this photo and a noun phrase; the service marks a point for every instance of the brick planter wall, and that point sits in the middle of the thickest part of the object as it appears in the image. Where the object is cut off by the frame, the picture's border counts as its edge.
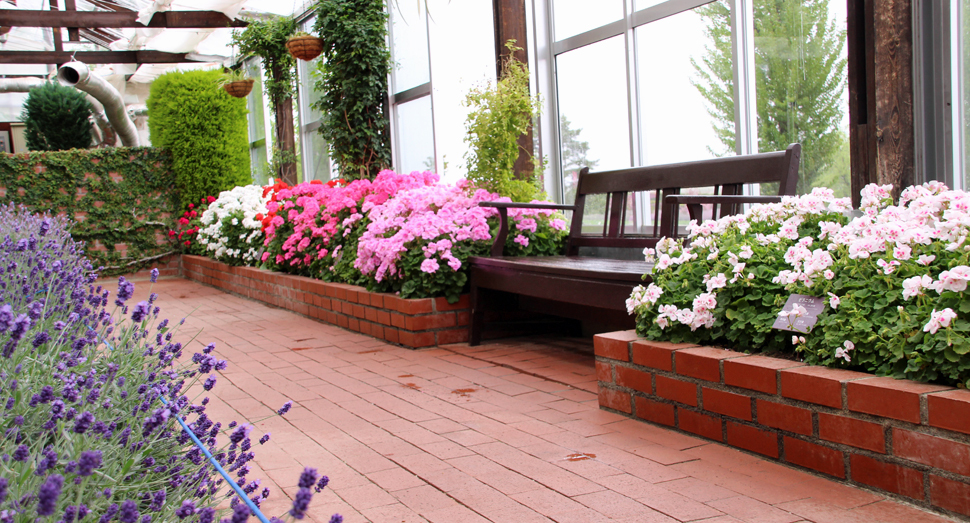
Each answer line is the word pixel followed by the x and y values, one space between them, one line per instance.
pixel 906 438
pixel 413 323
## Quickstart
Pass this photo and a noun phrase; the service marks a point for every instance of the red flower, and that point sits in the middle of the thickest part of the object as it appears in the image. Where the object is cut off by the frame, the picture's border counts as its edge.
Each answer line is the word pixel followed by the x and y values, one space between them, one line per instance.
pixel 316 182
pixel 193 214
pixel 210 199
pixel 187 243
pixel 259 217
pixel 191 206
pixel 183 221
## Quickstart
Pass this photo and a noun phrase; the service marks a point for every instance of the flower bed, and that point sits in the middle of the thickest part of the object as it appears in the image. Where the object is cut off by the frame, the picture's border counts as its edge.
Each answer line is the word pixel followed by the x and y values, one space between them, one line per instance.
pixel 907 438
pixel 413 323
pixel 893 281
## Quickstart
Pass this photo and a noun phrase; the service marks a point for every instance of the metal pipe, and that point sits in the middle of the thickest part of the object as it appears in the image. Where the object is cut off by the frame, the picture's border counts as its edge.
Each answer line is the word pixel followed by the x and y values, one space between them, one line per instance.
pixel 103 134
pixel 76 74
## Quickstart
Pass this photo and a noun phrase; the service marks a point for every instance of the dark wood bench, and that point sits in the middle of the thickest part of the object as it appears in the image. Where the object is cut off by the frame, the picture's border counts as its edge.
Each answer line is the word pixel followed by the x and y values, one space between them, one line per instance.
pixel 601 267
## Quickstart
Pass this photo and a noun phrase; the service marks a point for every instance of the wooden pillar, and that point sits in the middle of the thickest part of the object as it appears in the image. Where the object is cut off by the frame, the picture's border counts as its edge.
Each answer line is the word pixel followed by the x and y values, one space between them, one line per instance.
pixel 285 138
pixel 510 24
pixel 880 48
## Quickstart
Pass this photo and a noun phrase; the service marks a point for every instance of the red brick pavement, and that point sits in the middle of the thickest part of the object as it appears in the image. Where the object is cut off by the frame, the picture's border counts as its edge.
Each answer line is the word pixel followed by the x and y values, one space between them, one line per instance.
pixel 504 432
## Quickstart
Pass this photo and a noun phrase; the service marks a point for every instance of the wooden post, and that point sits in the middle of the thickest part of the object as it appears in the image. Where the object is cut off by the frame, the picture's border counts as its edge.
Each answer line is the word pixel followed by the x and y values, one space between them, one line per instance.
pixel 510 24
pixel 285 139
pixel 881 130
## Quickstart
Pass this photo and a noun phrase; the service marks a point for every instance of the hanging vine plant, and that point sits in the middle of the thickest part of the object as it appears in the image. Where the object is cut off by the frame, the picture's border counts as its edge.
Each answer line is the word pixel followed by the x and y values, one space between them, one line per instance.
pixel 267 39
pixel 353 84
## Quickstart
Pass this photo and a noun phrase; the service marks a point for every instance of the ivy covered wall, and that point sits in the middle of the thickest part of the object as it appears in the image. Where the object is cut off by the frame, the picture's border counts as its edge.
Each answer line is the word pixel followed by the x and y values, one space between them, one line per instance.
pixel 122 199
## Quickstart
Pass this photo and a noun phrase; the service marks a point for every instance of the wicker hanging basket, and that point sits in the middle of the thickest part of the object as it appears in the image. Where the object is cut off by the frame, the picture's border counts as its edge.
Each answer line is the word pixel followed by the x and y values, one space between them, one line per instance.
pixel 239 89
pixel 305 47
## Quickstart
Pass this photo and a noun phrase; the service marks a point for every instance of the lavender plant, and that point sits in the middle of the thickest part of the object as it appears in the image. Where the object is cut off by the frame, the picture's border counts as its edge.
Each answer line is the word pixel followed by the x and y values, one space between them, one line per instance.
pixel 91 388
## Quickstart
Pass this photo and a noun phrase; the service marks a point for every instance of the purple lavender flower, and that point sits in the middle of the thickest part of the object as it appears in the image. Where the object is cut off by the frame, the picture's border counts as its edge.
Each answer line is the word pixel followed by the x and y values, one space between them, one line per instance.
pixel 158 501
pixel 35 309
pixel 41 338
pixel 336 518
pixel 209 382
pixel 129 512
pixel 6 317
pixel 285 408
pixel 264 439
pixel 10 402
pixel 240 513
pixel 147 518
pixel 48 493
pixel 21 454
pixel 109 513
pixel 125 290
pixel 207 515
pixel 3 490
pixel 307 478
pixel 240 433
pixel 83 422
pixel 208 348
pixel 322 484
pixel 140 312
pixel 187 509
pixel 49 461
pixel 301 502
pixel 88 462
pixel 154 275
pixel 20 327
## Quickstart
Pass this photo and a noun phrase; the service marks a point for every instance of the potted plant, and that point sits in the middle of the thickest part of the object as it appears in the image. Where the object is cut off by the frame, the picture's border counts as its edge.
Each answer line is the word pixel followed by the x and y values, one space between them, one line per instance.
pixel 304 46
pixel 237 83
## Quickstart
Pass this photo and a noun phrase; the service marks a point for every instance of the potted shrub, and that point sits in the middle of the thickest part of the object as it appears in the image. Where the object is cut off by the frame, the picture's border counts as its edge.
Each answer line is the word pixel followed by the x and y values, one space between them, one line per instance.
pixel 304 46
pixel 237 83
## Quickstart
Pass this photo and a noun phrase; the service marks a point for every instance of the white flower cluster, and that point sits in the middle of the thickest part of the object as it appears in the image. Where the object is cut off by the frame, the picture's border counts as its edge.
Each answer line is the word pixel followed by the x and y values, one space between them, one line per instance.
pixel 230 229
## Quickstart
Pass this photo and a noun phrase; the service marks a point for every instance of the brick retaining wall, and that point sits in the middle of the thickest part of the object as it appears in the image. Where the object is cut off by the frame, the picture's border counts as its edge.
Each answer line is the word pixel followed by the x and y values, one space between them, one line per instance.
pixel 906 438
pixel 413 323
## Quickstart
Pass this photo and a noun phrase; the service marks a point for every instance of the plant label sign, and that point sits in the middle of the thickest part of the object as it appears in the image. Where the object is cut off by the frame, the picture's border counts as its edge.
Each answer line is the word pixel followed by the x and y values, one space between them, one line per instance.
pixel 799 314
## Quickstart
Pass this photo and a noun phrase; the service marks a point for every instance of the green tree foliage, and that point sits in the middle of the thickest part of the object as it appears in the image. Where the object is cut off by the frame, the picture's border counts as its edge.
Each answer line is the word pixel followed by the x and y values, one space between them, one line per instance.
pixel 57 118
pixel 205 130
pixel 574 155
pixel 498 115
pixel 353 83
pixel 800 79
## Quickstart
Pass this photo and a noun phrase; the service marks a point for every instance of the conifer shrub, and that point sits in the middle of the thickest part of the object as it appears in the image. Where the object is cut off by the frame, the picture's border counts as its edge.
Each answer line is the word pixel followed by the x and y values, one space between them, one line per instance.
pixel 57 118
pixel 204 129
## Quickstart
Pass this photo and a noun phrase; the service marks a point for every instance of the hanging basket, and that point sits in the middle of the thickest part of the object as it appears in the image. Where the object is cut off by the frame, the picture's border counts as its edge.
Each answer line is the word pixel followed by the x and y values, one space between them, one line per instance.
pixel 305 47
pixel 239 89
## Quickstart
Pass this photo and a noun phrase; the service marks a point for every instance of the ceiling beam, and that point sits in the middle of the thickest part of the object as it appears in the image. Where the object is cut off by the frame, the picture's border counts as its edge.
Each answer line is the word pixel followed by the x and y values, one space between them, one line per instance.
pixel 92 19
pixel 93 57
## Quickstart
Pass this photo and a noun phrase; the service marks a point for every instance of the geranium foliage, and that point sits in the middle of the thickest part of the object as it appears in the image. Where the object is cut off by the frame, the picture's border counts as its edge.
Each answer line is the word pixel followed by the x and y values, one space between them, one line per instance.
pixel 894 281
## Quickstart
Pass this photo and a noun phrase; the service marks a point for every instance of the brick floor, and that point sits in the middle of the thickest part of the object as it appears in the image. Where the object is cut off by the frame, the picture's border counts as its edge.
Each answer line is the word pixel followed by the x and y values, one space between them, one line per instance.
pixel 503 432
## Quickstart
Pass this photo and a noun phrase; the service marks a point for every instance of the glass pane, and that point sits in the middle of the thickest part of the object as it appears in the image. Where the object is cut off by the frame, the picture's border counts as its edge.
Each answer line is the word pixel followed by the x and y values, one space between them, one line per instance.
pixel 318 157
pixel 689 115
pixel 415 133
pixel 254 102
pixel 409 45
pixel 802 90
pixel 462 57
pixel 962 76
pixel 593 115
pixel 573 17
pixel 260 164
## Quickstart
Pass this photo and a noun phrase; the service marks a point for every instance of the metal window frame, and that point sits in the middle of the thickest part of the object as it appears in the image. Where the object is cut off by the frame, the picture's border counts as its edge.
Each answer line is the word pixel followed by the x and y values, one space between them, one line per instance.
pixel 936 78
pixel 396 98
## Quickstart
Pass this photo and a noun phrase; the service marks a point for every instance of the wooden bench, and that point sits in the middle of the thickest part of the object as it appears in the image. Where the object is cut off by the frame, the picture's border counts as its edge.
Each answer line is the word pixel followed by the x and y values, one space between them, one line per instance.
pixel 597 274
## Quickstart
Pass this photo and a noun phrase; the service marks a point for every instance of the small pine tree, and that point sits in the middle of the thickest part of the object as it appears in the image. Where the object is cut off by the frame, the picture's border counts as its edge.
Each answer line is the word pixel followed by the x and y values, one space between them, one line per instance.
pixel 57 118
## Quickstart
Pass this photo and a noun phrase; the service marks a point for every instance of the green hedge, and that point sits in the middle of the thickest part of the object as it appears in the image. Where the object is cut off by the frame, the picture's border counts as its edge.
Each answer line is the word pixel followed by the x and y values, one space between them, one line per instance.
pixel 205 130
pixel 121 199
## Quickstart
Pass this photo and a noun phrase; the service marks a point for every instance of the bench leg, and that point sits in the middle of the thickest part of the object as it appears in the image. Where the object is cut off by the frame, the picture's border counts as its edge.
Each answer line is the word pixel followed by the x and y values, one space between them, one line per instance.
pixel 477 322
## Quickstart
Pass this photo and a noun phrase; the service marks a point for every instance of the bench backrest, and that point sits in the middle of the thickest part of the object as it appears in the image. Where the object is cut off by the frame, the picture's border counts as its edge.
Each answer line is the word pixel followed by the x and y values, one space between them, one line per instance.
pixel 727 176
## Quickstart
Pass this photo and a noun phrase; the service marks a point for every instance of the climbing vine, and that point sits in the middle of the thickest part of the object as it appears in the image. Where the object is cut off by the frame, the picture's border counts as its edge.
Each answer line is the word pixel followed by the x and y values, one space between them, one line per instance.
pixel 353 84
pixel 121 199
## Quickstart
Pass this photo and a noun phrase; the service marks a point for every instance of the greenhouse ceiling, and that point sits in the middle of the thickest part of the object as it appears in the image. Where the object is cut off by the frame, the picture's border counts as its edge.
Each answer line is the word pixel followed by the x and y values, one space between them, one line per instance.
pixel 144 38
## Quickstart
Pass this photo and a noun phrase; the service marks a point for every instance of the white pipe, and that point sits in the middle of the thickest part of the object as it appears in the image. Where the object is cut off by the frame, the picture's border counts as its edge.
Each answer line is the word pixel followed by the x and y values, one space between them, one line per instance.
pixel 20 85
pixel 76 74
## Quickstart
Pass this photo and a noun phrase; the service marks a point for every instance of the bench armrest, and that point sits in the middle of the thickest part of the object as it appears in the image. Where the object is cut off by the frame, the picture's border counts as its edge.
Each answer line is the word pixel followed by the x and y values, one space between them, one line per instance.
pixel 498 244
